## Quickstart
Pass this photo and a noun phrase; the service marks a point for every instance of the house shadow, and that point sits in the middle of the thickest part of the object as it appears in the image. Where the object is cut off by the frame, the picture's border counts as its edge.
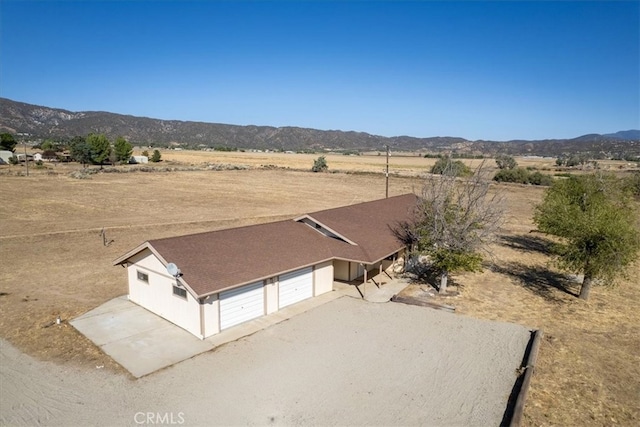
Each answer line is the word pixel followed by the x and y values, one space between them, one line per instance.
pixel 539 280
pixel 528 243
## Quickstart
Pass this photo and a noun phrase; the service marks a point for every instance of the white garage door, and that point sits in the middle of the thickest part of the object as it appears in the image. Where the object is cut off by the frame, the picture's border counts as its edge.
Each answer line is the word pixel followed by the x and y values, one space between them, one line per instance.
pixel 295 286
pixel 242 304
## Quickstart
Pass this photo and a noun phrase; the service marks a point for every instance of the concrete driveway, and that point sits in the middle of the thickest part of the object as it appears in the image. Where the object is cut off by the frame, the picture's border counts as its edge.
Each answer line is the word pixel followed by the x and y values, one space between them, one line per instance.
pixel 137 339
pixel 143 342
pixel 345 362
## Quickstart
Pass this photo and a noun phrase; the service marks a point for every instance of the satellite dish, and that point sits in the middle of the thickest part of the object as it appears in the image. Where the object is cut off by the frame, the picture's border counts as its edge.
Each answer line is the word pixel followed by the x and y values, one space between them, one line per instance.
pixel 173 269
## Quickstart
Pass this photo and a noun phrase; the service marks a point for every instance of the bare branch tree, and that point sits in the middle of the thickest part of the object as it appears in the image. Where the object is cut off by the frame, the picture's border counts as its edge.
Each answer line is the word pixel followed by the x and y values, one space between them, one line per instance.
pixel 454 222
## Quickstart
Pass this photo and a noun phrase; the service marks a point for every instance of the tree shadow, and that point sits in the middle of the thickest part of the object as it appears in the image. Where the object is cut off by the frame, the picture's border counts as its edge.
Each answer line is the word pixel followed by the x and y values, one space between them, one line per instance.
pixel 539 280
pixel 528 242
pixel 430 277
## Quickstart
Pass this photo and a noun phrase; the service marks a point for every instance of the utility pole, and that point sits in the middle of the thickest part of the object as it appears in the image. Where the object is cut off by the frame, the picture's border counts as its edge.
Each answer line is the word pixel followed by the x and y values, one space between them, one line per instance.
pixel 26 159
pixel 387 174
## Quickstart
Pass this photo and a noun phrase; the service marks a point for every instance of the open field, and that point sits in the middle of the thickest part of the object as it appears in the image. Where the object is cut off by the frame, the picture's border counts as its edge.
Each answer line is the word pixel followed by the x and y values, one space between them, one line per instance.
pixel 55 263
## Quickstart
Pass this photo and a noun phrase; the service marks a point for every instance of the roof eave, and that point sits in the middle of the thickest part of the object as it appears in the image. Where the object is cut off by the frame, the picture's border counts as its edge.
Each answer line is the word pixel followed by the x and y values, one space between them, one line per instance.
pixel 370 261
pixel 259 279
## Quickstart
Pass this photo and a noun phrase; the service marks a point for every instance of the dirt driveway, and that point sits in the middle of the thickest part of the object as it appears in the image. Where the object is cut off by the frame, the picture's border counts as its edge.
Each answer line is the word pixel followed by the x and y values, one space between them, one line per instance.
pixel 345 362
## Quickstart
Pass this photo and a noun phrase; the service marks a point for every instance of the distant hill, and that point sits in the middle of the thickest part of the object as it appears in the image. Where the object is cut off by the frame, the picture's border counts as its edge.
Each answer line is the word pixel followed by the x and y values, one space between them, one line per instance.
pixel 629 135
pixel 44 122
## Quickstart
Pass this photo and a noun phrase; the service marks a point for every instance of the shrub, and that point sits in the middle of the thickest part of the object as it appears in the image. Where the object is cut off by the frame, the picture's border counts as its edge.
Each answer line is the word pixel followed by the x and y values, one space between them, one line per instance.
pixel 518 175
pixel 633 183
pixel 446 166
pixel 13 160
pixel 320 165
pixel 522 176
pixel 538 178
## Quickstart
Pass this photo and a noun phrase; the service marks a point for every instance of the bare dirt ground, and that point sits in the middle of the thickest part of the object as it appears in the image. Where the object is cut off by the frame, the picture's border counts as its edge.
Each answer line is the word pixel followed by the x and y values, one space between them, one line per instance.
pixel 55 264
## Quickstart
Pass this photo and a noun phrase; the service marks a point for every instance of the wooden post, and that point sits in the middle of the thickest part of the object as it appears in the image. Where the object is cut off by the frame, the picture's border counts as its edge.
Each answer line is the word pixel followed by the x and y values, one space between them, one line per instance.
pixel 26 159
pixel 364 285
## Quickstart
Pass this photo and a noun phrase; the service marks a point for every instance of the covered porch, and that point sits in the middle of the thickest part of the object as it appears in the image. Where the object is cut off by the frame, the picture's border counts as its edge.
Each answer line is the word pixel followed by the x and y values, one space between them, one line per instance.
pixel 376 283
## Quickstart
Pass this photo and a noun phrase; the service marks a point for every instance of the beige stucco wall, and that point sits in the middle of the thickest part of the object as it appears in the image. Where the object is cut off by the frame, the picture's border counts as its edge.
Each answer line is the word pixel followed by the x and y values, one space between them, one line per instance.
pixel 271 295
pixel 211 315
pixel 341 270
pixel 323 278
pixel 203 320
pixel 157 295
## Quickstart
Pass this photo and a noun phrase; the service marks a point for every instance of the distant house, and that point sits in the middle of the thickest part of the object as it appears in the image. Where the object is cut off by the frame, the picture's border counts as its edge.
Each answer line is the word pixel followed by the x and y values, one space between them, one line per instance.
pixel 49 156
pixel 37 157
pixel 231 276
pixel 21 157
pixel 138 159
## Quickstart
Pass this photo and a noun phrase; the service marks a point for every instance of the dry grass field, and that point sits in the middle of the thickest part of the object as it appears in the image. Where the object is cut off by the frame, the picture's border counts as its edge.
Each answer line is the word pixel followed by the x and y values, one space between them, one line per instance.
pixel 55 263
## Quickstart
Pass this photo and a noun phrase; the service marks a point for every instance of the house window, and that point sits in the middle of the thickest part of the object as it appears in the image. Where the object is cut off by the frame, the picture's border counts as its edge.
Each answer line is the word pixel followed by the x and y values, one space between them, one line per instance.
pixel 143 277
pixel 182 293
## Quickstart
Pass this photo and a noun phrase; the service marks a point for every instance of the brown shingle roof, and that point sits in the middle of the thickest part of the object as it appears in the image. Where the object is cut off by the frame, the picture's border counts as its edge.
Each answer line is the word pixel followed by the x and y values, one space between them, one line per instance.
pixel 369 225
pixel 218 260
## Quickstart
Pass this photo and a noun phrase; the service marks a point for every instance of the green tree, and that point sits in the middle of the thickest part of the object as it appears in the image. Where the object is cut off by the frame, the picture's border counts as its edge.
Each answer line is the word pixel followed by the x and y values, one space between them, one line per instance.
pixel 505 161
pixel 577 159
pixel 122 150
pixel 320 165
pixel 453 223
pixel 596 220
pixel 446 166
pixel 80 150
pixel 100 148
pixel 47 145
pixel 156 156
pixel 145 153
pixel 8 142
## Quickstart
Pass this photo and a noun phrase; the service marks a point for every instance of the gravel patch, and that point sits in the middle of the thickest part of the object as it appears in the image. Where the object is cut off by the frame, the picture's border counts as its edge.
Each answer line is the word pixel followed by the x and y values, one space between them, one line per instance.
pixel 345 362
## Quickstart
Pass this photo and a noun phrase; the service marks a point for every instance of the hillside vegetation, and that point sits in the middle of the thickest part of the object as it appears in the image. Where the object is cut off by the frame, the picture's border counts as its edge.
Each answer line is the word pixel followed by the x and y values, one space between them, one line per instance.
pixel 37 122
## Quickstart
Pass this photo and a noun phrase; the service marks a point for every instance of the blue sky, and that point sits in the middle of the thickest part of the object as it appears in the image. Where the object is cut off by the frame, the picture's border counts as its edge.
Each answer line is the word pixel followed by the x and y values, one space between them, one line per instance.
pixel 478 70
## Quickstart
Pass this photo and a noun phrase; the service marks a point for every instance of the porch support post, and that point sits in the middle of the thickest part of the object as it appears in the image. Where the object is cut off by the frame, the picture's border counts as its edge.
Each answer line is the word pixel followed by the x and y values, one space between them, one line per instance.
pixel 364 285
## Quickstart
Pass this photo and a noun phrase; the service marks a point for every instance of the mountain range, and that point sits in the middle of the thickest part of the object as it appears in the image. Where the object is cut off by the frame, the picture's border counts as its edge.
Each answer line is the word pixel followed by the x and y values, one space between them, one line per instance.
pixel 38 122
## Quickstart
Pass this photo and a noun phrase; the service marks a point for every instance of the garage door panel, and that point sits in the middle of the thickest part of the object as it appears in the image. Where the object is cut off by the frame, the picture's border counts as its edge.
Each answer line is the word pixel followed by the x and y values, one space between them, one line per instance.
pixel 295 286
pixel 242 304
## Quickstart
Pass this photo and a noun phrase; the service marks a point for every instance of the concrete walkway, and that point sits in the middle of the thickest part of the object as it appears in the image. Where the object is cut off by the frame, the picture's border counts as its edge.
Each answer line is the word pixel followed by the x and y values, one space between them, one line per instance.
pixel 143 342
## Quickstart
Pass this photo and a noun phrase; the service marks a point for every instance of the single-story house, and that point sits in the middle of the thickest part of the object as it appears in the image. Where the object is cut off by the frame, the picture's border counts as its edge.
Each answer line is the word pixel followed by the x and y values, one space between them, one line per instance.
pixel 46 156
pixel 138 159
pixel 21 157
pixel 231 276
